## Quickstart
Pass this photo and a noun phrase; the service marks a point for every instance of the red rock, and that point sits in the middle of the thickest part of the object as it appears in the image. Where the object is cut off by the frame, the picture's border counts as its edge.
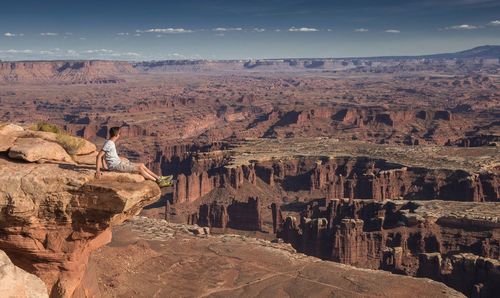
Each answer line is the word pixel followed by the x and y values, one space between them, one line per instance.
pixel 54 215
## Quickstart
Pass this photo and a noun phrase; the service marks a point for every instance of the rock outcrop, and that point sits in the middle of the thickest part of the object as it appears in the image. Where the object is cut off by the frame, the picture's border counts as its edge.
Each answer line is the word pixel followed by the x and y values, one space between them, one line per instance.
pixel 334 175
pixel 54 213
pixel 420 238
pixel 236 215
pixel 17 283
pixel 368 178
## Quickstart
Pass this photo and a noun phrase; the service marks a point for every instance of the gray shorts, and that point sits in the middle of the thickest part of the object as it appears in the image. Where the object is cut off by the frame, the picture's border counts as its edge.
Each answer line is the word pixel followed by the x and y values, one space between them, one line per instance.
pixel 124 166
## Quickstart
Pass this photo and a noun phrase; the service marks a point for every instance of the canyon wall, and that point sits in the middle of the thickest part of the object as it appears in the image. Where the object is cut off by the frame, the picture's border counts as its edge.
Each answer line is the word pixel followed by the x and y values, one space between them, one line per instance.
pixel 411 238
pixel 366 178
pixel 235 215
pixel 333 178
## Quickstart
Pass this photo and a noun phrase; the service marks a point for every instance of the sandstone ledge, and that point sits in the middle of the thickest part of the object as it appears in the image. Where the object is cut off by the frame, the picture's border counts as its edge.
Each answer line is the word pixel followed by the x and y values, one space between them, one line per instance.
pixel 53 214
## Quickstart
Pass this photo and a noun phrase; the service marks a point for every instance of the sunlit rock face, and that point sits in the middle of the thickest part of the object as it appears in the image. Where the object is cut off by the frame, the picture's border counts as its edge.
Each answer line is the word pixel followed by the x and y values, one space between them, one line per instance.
pixel 53 213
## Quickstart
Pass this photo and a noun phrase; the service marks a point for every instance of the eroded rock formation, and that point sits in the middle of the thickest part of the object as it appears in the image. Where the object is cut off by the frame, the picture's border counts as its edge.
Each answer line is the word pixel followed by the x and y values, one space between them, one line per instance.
pixel 53 213
pixel 236 215
pixel 453 242
pixel 355 177
pixel 368 178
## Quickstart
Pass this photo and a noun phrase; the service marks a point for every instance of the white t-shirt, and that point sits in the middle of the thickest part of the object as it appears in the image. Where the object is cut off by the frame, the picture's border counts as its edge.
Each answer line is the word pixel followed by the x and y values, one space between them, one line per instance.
pixel 111 156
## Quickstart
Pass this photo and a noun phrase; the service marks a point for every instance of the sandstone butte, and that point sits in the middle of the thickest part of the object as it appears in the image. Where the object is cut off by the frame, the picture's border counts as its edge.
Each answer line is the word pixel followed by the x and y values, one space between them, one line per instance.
pixel 53 213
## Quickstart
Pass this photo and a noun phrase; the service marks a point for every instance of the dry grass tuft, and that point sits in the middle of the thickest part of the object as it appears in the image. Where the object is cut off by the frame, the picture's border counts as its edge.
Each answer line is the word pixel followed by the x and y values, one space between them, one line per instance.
pixel 70 143
pixel 44 126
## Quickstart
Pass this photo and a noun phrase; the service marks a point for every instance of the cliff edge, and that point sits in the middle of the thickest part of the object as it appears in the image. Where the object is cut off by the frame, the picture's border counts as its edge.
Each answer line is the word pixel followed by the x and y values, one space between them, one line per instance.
pixel 53 213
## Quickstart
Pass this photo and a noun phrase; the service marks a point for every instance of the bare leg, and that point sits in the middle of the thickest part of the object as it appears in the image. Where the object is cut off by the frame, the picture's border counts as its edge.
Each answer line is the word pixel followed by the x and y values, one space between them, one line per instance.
pixel 144 173
pixel 151 172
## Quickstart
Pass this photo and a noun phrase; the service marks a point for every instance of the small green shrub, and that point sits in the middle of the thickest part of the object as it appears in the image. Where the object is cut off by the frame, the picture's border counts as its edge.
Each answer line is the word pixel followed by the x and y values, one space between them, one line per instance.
pixel 70 143
pixel 47 127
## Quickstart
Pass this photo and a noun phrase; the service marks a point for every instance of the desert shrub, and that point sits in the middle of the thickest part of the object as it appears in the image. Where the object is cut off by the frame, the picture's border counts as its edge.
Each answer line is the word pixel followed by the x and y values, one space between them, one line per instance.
pixel 47 127
pixel 70 143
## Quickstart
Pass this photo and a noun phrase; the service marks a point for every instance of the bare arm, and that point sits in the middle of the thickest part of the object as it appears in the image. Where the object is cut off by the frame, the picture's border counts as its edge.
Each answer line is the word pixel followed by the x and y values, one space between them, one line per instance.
pixel 98 164
pixel 104 164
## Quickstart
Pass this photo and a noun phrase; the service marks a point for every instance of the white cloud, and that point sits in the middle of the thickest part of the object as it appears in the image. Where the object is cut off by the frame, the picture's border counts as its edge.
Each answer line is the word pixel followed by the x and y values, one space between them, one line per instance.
pixel 462 27
pixel 361 30
pixel 227 29
pixel 303 29
pixel 47 52
pixel 49 34
pixel 122 33
pixel 259 29
pixel 13 51
pixel 126 54
pixel 495 23
pixel 392 31
pixel 176 55
pixel 83 38
pixel 57 53
pixel 165 30
pixel 137 34
pixel 109 53
pixel 8 34
pixel 98 51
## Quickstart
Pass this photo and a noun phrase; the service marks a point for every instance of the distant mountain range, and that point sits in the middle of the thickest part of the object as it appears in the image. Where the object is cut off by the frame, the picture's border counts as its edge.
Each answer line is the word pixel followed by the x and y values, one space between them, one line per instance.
pixel 104 72
pixel 484 52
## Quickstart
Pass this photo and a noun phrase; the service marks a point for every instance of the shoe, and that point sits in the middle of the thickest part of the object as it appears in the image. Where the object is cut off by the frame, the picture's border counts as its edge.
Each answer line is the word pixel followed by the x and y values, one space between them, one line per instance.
pixel 165 183
pixel 166 178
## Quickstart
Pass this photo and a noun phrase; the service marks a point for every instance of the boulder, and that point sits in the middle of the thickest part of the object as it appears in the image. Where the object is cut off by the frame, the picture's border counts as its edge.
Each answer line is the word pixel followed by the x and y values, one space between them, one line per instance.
pixel 86 147
pixel 87 159
pixel 47 136
pixel 6 142
pixel 36 149
pixel 17 283
pixel 8 129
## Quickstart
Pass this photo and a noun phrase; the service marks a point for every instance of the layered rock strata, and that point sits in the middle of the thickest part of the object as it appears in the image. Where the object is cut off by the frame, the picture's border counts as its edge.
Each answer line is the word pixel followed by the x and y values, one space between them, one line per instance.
pixel 457 243
pixel 54 213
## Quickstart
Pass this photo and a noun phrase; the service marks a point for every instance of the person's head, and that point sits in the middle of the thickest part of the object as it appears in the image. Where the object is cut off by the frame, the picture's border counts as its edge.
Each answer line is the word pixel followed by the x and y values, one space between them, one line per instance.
pixel 114 132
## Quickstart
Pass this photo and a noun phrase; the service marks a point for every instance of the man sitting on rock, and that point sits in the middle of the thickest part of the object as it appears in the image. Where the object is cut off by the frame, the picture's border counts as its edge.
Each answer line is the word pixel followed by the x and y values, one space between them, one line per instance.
pixel 115 163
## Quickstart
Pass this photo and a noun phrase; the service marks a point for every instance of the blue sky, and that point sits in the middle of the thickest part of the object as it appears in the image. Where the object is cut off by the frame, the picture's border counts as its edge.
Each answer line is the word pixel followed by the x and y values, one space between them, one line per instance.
pixel 223 29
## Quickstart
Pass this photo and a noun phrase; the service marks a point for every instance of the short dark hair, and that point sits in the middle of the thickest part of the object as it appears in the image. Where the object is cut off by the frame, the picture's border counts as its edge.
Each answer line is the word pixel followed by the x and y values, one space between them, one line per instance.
pixel 113 131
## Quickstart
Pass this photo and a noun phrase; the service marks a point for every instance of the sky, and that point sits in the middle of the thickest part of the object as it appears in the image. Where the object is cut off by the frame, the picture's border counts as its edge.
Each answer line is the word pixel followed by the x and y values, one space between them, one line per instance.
pixel 232 29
